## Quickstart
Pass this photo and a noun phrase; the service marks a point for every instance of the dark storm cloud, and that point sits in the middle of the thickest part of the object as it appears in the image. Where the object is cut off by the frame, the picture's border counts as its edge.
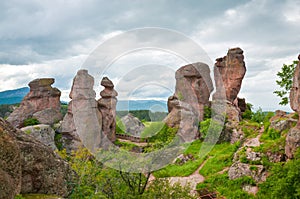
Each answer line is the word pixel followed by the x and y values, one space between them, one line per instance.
pixel 35 31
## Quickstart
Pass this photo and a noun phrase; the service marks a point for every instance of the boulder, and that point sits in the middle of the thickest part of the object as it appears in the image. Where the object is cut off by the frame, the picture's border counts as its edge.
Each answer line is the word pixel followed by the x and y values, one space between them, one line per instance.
pixel 133 125
pixel 82 124
pixel 107 106
pixel 43 133
pixel 41 170
pixel 42 102
pixel 238 169
pixel 186 106
pixel 10 164
pixel 229 72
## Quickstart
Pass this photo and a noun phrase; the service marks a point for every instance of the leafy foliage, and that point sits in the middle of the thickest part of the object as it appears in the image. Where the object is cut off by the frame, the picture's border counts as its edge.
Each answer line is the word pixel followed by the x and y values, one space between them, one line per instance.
pixel 285 82
pixel 63 108
pixel 97 181
pixel 226 187
pixel 284 180
pixel 248 112
pixel 31 121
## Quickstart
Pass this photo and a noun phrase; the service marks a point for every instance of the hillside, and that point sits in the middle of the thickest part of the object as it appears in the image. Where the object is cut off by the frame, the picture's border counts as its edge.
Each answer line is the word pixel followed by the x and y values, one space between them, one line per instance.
pixel 13 96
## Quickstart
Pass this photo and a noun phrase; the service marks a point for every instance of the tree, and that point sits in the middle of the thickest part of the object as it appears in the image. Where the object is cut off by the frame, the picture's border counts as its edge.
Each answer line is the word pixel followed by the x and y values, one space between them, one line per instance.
pixel 285 82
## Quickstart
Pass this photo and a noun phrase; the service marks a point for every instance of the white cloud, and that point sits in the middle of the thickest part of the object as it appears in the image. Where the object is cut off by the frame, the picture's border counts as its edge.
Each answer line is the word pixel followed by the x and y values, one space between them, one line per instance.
pixel 54 38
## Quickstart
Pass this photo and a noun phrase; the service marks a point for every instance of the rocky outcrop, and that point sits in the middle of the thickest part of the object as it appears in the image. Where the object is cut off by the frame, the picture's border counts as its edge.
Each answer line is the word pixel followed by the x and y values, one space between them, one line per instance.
pixel 107 106
pixel 186 106
pixel 132 125
pixel 43 133
pixel 28 160
pixel 229 72
pixel 238 169
pixel 42 103
pixel 292 142
pixel 10 164
pixel 241 102
pixel 83 119
pixel 293 136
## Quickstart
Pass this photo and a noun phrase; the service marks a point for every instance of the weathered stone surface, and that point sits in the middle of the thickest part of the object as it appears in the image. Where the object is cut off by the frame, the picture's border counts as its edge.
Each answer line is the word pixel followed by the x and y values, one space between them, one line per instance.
pixel 132 125
pixel 295 91
pixel 42 102
pixel 41 170
pixel 83 112
pixel 238 169
pixel 107 106
pixel 292 141
pixel 10 164
pixel 229 72
pixel 275 156
pixel 283 124
pixel 293 136
pixel 43 133
pixel 186 106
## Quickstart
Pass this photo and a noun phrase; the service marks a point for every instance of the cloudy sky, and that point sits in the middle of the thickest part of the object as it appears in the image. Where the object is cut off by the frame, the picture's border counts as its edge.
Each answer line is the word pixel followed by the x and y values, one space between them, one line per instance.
pixel 56 38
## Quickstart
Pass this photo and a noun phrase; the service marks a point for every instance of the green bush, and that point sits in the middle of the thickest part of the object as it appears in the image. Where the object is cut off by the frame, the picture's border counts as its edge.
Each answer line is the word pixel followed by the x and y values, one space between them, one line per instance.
pixel 222 185
pixel 283 181
pixel 210 128
pixel 31 122
pixel 248 112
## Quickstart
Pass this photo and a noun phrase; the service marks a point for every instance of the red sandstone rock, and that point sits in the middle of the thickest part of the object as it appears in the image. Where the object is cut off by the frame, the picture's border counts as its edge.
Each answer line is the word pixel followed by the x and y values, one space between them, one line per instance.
pixel 107 106
pixel 229 73
pixel 293 136
pixel 42 96
pixel 29 166
pixel 82 124
pixel 186 106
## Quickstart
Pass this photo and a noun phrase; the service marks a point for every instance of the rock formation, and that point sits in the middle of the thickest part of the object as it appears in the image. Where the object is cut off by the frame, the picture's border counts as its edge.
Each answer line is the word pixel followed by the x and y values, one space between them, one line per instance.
pixel 83 120
pixel 107 106
pixel 186 106
pixel 229 72
pixel 293 136
pixel 43 133
pixel 29 166
pixel 10 164
pixel 132 125
pixel 42 103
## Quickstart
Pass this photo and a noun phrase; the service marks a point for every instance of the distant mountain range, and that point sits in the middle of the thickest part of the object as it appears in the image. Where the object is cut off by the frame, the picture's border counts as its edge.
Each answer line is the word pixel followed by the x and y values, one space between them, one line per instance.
pixel 153 105
pixel 13 96
pixel 16 96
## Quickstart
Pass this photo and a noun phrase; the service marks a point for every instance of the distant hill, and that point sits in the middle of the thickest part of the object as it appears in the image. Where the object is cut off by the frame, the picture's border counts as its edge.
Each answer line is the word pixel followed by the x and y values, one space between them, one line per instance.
pixel 153 105
pixel 16 96
pixel 13 96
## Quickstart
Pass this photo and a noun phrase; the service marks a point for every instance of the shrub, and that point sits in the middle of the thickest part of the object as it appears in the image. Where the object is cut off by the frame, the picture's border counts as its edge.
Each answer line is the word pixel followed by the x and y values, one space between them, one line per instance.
pixel 284 180
pixel 31 122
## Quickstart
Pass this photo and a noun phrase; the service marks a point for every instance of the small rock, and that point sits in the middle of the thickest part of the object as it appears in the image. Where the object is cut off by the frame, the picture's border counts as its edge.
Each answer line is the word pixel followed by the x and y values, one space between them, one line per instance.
pixel 43 133
pixel 132 125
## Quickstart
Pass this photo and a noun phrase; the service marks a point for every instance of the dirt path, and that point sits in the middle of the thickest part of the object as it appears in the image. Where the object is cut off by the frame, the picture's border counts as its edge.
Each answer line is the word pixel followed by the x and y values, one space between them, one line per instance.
pixel 192 179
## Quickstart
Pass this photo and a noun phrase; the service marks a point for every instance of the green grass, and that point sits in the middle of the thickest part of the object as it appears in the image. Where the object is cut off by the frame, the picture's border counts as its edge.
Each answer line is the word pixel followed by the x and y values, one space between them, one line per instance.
pixel 37 196
pixel 126 145
pixel 250 128
pixel 151 129
pixel 225 187
pixel 179 170
pixel 219 158
pixel 187 168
